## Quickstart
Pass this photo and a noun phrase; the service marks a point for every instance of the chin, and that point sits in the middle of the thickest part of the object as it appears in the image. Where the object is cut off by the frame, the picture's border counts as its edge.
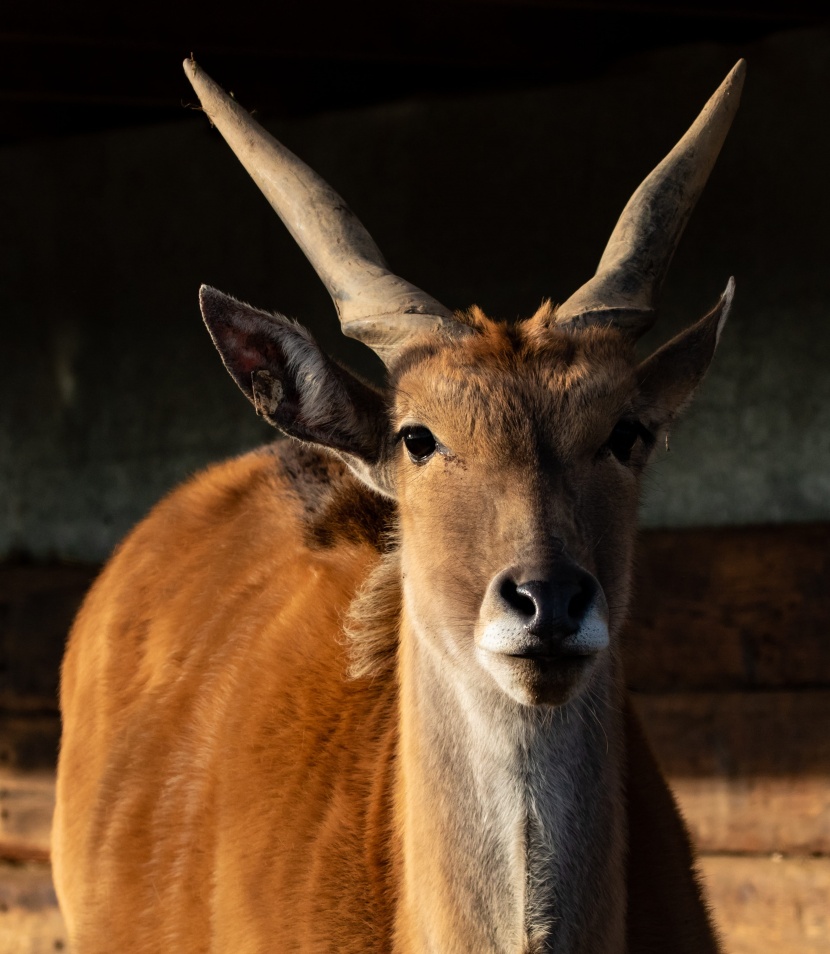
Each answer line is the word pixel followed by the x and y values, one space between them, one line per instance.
pixel 539 681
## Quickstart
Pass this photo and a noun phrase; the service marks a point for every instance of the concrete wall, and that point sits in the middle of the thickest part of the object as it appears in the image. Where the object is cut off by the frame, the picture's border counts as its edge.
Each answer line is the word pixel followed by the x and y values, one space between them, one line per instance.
pixel 111 391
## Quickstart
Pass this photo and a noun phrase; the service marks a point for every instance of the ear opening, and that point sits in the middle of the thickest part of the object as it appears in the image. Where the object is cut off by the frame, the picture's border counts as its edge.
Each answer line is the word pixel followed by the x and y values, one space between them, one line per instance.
pixel 669 378
pixel 291 383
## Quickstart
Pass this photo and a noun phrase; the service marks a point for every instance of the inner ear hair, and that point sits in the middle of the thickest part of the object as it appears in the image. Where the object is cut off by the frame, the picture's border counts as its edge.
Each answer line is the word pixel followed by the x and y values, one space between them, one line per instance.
pixel 291 382
pixel 267 393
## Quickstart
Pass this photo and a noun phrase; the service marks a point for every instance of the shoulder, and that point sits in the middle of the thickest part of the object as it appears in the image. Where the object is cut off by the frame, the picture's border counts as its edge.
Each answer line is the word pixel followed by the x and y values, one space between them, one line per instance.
pixel 336 506
pixel 284 490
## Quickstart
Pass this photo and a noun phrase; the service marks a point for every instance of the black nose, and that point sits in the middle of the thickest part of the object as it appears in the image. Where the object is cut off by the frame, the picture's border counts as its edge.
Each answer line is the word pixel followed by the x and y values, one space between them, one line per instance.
pixel 555 607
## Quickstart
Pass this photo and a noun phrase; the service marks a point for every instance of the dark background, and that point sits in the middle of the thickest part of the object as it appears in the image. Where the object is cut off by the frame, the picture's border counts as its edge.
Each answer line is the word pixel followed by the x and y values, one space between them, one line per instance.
pixel 85 67
pixel 488 145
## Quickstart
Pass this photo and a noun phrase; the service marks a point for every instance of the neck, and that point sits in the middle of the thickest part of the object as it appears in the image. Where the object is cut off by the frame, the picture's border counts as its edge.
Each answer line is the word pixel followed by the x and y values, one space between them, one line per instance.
pixel 512 818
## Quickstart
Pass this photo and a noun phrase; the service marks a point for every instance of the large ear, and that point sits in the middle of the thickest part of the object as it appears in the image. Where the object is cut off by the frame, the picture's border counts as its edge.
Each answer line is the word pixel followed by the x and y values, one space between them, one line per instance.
pixel 296 387
pixel 669 378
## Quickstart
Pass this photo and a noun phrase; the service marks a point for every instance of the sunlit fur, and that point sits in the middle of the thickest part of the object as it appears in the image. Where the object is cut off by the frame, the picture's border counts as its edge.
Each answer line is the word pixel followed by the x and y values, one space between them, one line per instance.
pixel 276 733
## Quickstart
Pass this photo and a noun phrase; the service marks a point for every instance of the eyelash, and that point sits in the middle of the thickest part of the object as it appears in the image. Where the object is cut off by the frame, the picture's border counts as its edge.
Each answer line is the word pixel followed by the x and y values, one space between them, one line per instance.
pixel 420 443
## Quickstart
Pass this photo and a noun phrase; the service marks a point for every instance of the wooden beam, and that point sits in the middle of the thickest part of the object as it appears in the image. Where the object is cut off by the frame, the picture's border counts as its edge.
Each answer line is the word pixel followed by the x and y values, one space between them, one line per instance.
pixel 715 609
pixel 27 802
pixel 760 904
pixel 724 815
pixel 727 754
pixel 30 922
pixel 731 608
pixel 29 743
pixel 756 814
pixel 751 771
pixel 778 905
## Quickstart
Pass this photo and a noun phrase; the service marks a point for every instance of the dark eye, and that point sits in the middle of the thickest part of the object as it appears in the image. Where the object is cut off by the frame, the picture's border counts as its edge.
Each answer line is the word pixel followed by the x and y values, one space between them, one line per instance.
pixel 624 437
pixel 419 442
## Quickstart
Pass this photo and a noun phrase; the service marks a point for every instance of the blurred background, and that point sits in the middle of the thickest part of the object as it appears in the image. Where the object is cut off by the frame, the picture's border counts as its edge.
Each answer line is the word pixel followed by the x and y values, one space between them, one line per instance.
pixel 488 146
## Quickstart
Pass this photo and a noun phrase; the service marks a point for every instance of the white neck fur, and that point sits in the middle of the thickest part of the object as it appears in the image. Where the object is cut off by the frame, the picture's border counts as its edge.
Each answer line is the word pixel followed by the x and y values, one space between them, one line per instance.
pixel 512 817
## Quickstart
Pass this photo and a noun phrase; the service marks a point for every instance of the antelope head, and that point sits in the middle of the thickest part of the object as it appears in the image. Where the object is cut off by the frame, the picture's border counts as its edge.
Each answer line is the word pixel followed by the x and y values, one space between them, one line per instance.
pixel 514 452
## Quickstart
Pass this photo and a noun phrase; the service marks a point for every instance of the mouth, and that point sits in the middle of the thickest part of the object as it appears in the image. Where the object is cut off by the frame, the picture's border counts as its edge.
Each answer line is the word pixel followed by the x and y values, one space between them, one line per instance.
pixel 534 678
pixel 548 658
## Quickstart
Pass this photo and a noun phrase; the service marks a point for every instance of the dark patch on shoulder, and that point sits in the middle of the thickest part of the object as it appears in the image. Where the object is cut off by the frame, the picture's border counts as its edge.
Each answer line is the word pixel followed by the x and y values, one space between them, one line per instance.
pixel 309 471
pixel 337 507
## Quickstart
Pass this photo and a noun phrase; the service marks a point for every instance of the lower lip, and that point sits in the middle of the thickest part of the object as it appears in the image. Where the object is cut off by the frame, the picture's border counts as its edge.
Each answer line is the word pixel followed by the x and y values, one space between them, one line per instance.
pixel 562 659
pixel 558 668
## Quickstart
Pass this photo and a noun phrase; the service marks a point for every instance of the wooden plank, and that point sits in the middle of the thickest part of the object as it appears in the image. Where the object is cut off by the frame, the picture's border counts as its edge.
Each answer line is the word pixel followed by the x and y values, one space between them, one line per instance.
pixel 723 814
pixel 751 770
pixel 731 607
pixel 28 753
pixel 774 904
pixel 30 922
pixel 28 743
pixel 37 605
pixel 724 608
pixel 761 904
pixel 27 802
pixel 739 734
pixel 756 814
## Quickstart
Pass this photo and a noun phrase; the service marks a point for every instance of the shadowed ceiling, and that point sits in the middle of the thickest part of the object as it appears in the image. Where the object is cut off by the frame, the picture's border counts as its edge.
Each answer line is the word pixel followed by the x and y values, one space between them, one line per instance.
pixel 74 67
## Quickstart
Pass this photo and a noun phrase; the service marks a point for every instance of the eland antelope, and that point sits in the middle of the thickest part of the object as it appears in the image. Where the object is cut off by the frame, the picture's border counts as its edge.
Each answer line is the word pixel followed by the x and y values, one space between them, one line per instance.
pixel 361 690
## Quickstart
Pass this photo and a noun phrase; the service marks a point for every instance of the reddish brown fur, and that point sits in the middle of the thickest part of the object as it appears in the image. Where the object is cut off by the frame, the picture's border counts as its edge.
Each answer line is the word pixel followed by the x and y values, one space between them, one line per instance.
pixel 164 683
pixel 224 783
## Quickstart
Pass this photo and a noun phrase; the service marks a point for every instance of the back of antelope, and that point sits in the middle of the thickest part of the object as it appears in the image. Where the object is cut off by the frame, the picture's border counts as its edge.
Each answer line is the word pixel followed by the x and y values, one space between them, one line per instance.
pixel 361 690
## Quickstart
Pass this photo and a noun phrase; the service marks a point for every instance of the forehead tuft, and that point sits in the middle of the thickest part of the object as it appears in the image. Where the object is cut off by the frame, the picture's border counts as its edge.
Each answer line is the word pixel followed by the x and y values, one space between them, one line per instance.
pixel 505 375
pixel 498 350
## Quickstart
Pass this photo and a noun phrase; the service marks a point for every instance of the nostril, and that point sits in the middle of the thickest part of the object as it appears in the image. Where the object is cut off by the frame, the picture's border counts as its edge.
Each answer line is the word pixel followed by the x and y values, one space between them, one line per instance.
pixel 582 599
pixel 578 605
pixel 519 601
pixel 549 608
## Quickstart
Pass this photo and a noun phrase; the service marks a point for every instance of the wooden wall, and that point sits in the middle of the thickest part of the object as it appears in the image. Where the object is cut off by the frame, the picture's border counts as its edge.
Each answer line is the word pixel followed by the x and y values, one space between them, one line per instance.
pixel 728 654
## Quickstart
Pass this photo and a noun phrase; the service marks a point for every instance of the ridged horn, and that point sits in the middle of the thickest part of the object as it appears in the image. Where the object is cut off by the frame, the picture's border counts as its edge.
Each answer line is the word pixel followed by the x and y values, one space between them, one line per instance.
pixel 633 266
pixel 374 305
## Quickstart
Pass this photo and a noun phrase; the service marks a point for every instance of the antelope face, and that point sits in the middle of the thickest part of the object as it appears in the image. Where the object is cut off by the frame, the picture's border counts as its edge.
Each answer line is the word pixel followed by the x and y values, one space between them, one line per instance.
pixel 515 454
pixel 518 455
pixel 515 457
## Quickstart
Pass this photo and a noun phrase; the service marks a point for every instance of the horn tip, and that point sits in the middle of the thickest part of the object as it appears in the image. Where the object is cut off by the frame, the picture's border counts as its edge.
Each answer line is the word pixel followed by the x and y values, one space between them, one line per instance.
pixel 735 78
